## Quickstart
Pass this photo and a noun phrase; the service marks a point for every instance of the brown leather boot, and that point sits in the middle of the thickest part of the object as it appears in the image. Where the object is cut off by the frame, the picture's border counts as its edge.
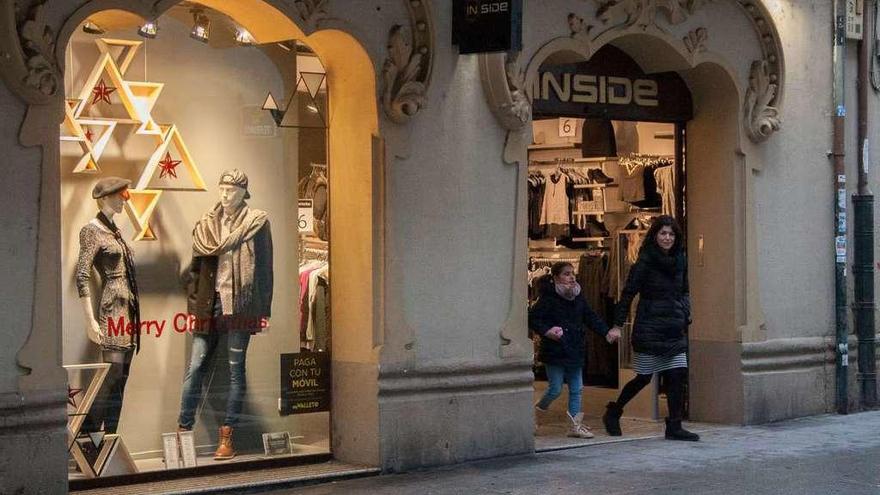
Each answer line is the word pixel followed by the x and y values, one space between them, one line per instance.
pixel 224 444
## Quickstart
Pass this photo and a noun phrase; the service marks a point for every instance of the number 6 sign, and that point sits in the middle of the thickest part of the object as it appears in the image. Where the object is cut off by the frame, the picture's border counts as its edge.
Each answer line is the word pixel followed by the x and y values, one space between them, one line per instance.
pixel 305 216
pixel 567 127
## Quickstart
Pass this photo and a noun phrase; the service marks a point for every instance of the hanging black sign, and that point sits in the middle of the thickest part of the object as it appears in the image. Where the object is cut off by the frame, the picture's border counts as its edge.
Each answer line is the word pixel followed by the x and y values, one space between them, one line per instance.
pixel 480 26
pixel 611 86
pixel 305 383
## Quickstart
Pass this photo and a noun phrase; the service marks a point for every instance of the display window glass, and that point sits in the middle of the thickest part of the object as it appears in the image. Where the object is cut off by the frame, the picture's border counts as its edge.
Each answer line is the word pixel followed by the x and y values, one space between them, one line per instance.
pixel 195 246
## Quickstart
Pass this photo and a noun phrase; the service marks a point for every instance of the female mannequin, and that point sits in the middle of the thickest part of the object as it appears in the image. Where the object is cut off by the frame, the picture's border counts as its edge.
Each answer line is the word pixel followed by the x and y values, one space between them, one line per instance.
pixel 114 329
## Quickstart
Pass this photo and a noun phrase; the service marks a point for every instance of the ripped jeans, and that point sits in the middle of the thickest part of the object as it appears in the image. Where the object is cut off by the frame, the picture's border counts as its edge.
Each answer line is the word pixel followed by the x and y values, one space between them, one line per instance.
pixel 204 346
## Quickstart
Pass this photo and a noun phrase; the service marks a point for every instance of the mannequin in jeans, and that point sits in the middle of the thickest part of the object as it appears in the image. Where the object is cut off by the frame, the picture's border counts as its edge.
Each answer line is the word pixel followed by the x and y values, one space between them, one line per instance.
pixel 230 285
pixel 102 249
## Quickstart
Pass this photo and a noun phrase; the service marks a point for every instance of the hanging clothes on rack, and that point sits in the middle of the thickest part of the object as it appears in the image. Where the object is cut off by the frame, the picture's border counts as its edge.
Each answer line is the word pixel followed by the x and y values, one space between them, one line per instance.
pixel 537 182
pixel 665 178
pixel 638 186
pixel 555 212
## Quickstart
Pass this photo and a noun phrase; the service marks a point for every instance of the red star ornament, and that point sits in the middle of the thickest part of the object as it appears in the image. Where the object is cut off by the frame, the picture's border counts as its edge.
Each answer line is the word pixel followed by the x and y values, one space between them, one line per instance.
pixel 89 135
pixel 168 165
pixel 71 393
pixel 102 92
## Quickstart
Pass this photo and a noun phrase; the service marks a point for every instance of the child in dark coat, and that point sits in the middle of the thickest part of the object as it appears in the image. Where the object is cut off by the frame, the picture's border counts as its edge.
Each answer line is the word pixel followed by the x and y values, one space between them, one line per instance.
pixel 561 316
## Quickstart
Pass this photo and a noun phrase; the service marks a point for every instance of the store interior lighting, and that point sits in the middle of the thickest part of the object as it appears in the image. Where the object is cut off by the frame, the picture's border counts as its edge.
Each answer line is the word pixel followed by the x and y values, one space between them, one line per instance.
pixel 243 37
pixel 92 28
pixel 149 29
pixel 201 30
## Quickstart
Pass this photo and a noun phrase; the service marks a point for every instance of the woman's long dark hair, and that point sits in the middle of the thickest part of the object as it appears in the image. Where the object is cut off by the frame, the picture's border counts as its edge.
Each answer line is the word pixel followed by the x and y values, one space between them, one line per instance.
pixel 651 237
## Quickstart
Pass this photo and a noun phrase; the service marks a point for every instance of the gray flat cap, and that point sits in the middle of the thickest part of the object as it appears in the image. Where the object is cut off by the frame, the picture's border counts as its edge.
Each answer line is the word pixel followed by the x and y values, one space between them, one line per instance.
pixel 108 186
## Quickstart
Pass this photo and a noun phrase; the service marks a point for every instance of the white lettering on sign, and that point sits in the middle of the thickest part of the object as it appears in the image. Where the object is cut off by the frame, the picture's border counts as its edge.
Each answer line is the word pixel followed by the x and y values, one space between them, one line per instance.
pixel 488 8
pixel 584 88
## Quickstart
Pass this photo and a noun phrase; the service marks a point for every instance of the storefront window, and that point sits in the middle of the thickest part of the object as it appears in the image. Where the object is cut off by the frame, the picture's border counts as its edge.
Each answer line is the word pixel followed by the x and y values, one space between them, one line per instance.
pixel 195 255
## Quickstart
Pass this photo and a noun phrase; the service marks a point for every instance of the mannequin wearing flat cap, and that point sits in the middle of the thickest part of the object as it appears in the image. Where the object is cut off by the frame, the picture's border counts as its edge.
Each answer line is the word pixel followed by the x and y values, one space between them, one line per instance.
pixel 230 284
pixel 103 250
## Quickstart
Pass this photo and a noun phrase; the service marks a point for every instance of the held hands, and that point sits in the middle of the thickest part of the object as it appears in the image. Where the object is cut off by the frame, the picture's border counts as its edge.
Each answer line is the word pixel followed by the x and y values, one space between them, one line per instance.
pixel 555 333
pixel 613 335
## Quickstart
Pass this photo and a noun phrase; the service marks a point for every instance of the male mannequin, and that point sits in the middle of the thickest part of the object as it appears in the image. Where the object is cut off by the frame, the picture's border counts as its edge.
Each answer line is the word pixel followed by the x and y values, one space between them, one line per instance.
pixel 103 249
pixel 230 283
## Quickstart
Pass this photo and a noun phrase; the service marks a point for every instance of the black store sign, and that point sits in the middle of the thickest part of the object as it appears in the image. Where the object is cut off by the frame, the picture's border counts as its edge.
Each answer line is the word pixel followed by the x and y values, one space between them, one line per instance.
pixel 305 383
pixel 611 86
pixel 480 26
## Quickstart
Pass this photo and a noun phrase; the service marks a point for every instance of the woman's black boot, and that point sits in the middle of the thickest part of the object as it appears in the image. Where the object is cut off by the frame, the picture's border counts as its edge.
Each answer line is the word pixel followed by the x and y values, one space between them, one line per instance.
pixel 611 419
pixel 674 431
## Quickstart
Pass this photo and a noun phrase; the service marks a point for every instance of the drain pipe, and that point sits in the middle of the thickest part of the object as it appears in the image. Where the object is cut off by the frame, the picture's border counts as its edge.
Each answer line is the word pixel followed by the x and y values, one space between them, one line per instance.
pixel 838 152
pixel 863 223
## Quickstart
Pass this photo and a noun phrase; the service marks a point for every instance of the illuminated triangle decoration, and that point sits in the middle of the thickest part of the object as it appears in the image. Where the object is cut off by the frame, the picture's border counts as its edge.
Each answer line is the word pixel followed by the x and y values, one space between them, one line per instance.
pixel 139 208
pixel 304 108
pixel 171 141
pixel 106 81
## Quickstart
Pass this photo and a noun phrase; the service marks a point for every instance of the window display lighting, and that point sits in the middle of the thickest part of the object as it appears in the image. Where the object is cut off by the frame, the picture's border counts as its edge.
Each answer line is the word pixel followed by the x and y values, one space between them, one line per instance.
pixel 243 37
pixel 92 28
pixel 149 29
pixel 201 30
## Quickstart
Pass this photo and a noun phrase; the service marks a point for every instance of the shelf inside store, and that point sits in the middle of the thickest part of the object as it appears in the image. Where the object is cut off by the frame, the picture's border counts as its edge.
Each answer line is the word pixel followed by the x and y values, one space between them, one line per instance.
pixel 554 146
pixel 590 239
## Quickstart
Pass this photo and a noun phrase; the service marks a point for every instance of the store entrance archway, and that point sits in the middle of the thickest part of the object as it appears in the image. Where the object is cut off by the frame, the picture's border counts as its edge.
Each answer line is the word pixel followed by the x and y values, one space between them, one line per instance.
pixel 352 146
pixel 710 167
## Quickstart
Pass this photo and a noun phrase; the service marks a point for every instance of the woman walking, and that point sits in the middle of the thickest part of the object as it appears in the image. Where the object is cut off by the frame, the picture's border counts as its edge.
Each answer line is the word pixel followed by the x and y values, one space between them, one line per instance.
pixel 560 317
pixel 659 337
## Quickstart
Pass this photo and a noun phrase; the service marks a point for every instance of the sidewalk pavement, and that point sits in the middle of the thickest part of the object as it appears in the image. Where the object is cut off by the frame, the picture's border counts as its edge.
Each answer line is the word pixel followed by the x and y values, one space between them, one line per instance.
pixel 819 455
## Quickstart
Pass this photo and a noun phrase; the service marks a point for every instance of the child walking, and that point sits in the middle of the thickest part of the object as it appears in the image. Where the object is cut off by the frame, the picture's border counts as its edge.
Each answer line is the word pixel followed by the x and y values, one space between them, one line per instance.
pixel 560 317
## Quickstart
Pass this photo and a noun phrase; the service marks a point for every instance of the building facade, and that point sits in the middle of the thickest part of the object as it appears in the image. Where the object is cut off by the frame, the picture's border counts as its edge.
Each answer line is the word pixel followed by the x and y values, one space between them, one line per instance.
pixel 426 155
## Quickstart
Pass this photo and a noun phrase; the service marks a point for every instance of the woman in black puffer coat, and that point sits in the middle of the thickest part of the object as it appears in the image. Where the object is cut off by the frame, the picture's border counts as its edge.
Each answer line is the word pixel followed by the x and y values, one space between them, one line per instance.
pixel 659 337
pixel 561 317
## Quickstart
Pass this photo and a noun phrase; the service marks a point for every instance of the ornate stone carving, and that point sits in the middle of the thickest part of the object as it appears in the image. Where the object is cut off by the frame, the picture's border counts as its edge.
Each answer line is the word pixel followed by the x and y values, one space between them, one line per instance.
pixel 769 39
pixel 406 72
pixel 27 46
pixel 643 13
pixel 311 11
pixel 761 117
pixel 579 28
pixel 403 94
pixel 695 41
pixel 516 111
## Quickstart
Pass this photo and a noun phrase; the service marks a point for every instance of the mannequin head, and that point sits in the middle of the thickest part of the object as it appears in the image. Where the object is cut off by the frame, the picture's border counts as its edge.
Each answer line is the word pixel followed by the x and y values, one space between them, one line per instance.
pixel 231 197
pixel 111 193
pixel 113 202
pixel 233 189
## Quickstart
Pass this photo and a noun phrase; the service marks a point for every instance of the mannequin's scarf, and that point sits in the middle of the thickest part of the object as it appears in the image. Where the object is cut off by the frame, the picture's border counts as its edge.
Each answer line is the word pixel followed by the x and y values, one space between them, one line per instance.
pixel 208 241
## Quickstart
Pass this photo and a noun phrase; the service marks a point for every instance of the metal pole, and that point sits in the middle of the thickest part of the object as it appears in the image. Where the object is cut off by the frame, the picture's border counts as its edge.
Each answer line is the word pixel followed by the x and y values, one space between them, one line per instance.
pixel 863 220
pixel 838 153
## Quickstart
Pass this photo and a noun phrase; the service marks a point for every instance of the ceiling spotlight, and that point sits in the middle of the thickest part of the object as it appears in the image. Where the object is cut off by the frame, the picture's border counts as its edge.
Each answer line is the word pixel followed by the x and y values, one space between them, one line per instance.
pixel 243 37
pixel 312 108
pixel 149 29
pixel 92 28
pixel 201 30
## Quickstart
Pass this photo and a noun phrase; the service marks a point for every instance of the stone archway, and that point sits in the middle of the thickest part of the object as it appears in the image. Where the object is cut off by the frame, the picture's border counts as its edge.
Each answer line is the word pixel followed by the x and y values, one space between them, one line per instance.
pixel 354 144
pixel 736 102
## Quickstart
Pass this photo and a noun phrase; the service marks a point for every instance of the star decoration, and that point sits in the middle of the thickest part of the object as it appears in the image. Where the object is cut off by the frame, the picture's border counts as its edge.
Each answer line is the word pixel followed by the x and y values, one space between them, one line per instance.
pixel 71 393
pixel 89 135
pixel 168 165
pixel 102 92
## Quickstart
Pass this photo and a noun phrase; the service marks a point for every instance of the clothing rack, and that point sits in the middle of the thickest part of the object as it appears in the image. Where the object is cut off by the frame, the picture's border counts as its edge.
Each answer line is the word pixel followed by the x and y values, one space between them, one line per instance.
pixel 318 165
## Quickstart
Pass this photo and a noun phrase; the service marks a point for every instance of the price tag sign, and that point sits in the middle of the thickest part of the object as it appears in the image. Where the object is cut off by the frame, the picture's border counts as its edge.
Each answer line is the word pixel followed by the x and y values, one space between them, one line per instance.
pixel 306 216
pixel 567 127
